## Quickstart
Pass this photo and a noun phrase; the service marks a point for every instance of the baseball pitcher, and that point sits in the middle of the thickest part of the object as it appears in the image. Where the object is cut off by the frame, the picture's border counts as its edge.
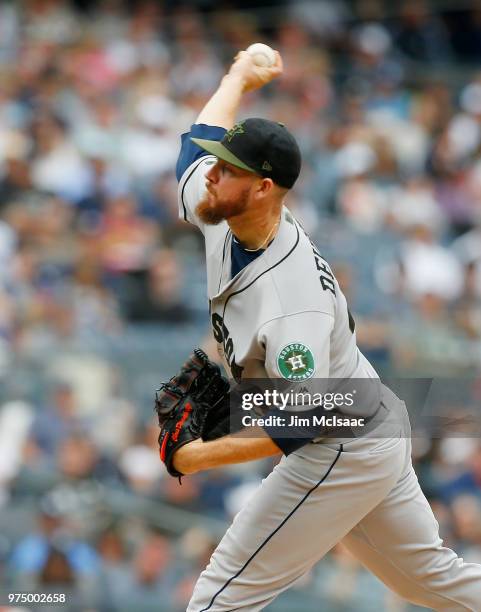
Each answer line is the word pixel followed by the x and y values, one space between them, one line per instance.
pixel 277 312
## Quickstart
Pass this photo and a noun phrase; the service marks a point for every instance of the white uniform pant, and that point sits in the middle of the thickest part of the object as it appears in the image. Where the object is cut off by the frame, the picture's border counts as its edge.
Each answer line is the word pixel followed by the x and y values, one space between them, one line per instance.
pixel 364 493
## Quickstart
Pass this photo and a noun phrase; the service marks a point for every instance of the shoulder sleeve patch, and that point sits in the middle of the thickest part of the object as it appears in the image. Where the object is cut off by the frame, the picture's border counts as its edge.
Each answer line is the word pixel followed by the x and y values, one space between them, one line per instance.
pixel 296 362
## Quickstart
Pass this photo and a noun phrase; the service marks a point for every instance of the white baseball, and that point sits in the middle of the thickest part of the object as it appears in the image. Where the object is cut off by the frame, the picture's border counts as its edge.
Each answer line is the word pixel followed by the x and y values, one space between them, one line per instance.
pixel 262 54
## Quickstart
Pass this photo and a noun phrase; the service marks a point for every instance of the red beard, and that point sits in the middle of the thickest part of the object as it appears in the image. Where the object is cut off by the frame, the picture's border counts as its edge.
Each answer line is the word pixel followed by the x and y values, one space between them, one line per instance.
pixel 212 211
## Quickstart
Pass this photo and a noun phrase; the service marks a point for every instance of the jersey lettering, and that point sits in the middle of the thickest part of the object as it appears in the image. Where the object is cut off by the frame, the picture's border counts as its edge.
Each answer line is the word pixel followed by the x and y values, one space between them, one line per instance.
pixel 328 284
pixel 217 324
pixel 323 267
pixel 326 277
pixel 229 349
pixel 222 336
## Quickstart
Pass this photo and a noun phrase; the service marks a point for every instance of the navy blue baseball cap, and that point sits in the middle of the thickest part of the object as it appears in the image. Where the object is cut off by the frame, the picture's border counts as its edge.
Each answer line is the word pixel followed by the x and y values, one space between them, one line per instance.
pixel 263 147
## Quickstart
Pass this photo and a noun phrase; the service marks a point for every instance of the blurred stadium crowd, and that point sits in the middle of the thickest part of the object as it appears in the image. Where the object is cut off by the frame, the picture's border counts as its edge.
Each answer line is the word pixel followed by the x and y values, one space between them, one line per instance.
pixel 102 288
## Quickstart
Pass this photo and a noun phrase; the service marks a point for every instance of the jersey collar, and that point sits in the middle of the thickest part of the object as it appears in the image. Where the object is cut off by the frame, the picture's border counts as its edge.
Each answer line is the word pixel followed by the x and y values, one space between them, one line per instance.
pixel 284 243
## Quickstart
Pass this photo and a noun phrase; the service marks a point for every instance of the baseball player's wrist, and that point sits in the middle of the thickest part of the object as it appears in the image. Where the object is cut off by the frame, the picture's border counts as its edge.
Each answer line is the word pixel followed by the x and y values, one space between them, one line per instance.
pixel 186 458
pixel 236 81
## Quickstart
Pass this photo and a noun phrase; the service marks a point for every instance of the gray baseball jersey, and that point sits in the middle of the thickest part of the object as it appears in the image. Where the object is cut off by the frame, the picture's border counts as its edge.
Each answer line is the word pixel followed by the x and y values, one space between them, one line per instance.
pixel 284 316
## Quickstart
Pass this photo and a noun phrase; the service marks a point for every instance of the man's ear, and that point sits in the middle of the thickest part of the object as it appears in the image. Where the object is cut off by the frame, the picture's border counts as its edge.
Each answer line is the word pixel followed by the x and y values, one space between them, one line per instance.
pixel 263 188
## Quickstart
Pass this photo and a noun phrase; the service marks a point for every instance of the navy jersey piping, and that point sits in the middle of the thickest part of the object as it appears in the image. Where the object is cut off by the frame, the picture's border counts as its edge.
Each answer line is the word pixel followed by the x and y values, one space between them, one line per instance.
pixel 223 260
pixel 185 184
pixel 262 273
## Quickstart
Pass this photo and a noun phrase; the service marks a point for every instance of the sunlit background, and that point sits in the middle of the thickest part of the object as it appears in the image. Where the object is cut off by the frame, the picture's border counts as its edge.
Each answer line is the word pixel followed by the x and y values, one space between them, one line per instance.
pixel 102 289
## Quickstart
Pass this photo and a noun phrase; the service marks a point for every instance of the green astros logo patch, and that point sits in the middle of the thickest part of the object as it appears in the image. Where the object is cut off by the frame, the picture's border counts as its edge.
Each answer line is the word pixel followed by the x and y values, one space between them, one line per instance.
pixel 296 362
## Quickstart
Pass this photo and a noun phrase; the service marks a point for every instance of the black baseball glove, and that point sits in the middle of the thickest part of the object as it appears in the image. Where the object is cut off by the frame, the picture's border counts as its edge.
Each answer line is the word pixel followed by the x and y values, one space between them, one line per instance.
pixel 193 404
